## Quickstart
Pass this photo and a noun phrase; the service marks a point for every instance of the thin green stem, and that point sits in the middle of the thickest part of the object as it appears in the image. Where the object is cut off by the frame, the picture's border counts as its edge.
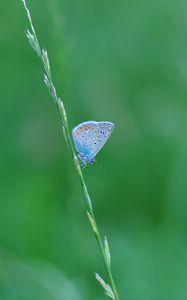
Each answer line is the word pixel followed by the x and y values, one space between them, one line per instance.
pixel 42 54
pixel 108 270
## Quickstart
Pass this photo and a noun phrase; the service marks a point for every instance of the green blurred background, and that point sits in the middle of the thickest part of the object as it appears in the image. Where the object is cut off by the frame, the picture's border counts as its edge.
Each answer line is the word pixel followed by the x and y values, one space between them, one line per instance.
pixel 124 61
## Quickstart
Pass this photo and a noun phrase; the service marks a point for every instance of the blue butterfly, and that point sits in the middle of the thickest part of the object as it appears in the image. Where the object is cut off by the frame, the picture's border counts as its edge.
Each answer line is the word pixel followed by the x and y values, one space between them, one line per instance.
pixel 89 137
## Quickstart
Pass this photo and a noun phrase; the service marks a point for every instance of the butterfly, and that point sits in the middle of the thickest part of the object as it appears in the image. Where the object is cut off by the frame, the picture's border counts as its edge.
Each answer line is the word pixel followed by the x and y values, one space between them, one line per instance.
pixel 89 137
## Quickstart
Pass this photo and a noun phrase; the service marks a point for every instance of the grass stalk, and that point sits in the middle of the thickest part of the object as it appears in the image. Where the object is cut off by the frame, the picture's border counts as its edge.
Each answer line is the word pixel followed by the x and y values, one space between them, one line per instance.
pixel 109 289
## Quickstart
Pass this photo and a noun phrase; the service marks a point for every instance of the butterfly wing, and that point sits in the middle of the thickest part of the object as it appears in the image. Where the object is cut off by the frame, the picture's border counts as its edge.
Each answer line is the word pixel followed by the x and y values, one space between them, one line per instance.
pixel 105 131
pixel 90 137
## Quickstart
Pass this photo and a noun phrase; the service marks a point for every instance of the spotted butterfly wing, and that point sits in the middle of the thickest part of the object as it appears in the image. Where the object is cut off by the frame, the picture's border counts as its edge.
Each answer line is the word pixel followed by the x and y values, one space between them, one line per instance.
pixel 89 137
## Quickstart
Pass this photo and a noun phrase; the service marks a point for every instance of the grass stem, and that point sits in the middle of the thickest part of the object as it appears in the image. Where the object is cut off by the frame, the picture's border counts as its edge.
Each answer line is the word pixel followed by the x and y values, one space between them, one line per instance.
pixel 110 290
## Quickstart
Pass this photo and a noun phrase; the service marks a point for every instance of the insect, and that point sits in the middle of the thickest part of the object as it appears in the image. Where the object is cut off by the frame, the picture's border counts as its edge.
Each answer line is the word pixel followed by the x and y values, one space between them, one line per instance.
pixel 89 137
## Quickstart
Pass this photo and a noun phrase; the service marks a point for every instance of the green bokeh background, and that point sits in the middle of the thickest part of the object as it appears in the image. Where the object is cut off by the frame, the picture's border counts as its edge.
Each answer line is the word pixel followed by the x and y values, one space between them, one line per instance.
pixel 122 61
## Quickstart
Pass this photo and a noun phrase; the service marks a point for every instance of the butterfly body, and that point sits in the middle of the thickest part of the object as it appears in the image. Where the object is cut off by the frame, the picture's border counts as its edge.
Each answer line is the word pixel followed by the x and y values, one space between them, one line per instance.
pixel 89 137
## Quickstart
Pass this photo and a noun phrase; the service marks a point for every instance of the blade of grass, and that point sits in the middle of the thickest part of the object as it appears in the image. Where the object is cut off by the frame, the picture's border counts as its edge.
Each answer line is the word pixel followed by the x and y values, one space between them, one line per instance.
pixel 110 290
